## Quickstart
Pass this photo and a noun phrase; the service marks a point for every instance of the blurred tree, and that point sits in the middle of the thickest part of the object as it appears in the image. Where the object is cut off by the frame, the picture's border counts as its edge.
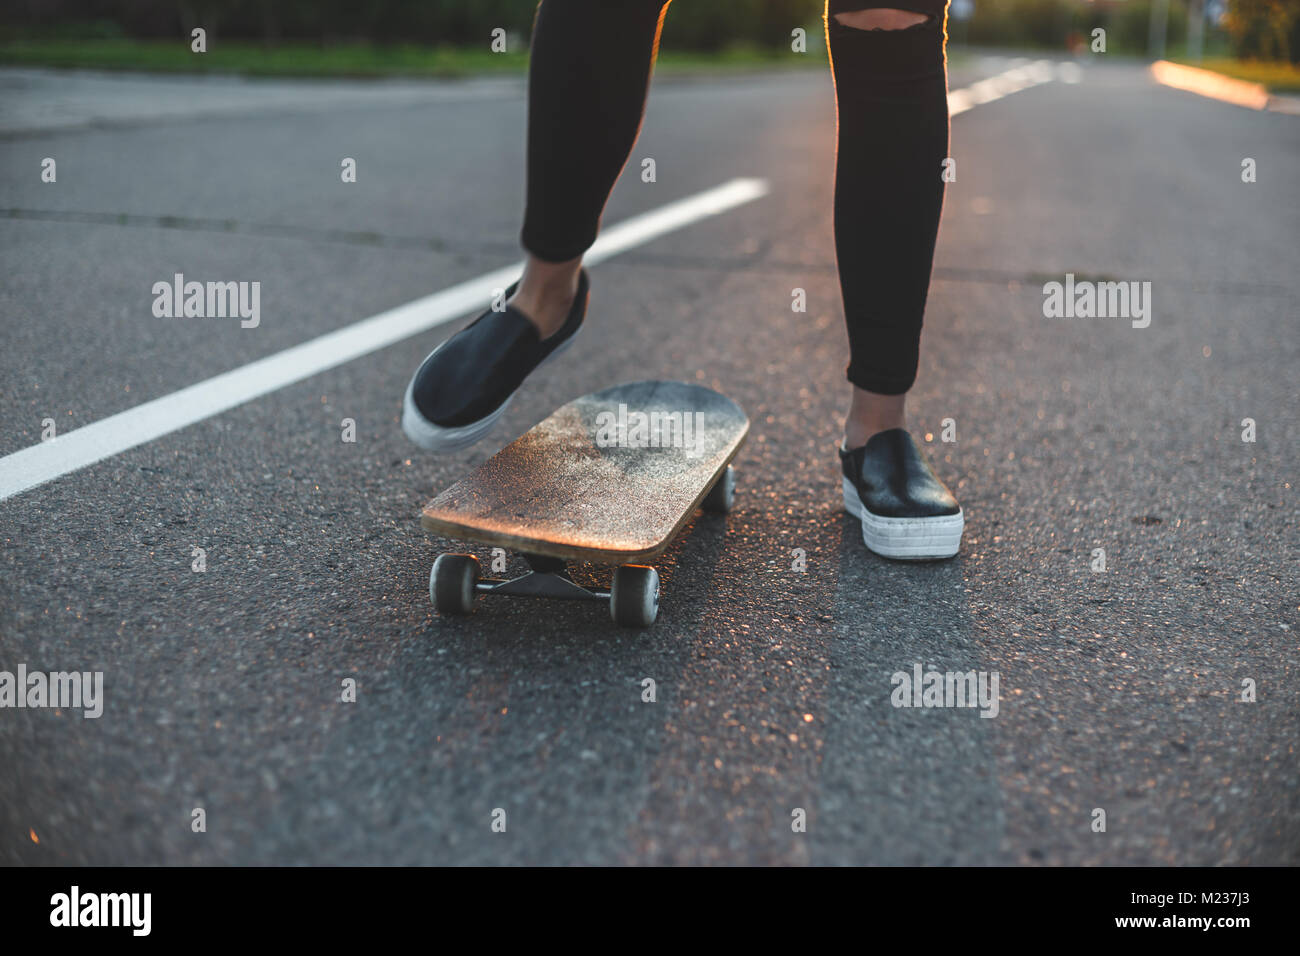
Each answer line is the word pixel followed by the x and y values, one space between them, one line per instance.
pixel 692 25
pixel 1048 23
pixel 1264 29
pixel 717 24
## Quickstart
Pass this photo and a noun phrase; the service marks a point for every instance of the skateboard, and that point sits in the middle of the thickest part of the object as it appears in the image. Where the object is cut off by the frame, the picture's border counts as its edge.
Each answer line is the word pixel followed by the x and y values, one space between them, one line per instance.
pixel 609 479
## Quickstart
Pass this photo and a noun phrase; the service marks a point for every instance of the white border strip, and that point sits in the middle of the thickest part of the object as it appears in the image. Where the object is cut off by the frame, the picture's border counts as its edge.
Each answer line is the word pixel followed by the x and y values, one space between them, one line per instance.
pixel 136 426
pixel 1207 83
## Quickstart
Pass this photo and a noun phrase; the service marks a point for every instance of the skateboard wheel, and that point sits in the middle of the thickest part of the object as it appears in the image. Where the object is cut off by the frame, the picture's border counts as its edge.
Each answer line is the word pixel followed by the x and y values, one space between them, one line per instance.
pixel 453 583
pixel 723 493
pixel 634 596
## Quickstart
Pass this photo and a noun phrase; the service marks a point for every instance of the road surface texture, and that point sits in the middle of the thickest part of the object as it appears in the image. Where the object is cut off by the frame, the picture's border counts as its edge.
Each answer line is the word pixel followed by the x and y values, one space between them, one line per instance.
pixel 1119 690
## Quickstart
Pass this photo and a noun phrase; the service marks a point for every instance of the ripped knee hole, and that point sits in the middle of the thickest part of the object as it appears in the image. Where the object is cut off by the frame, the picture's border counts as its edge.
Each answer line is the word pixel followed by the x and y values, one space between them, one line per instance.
pixel 881 18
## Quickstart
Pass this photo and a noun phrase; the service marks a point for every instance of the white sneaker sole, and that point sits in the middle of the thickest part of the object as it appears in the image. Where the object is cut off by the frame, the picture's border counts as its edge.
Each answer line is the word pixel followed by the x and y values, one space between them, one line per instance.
pixel 905 539
pixel 433 437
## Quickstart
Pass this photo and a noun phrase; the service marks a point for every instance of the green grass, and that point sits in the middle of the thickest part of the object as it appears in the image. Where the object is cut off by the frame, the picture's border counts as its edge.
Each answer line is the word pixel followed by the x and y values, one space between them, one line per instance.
pixel 1277 76
pixel 297 59
pixel 341 60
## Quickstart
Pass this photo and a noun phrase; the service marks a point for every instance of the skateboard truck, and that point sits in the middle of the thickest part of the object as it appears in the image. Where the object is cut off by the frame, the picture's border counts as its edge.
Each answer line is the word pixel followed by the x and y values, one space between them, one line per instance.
pixel 633 595
pixel 549 577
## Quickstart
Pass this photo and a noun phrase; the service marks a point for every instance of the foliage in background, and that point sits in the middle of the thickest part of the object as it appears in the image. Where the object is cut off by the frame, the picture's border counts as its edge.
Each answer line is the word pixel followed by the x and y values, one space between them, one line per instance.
pixel 693 24
pixel 1048 24
pixel 717 24
pixel 1264 29
pixel 1256 28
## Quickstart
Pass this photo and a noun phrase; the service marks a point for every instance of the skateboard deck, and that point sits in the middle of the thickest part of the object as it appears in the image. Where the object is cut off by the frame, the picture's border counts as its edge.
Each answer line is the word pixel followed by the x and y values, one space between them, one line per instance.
pixel 609 478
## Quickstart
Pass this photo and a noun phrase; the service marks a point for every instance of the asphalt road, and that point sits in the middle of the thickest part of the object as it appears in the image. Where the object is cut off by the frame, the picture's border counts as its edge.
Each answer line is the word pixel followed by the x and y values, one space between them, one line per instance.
pixel 1118 690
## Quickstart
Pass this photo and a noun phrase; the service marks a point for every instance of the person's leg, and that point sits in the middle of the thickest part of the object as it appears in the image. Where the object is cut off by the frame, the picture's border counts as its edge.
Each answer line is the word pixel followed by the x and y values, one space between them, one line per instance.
pixel 892 108
pixel 887 59
pixel 588 77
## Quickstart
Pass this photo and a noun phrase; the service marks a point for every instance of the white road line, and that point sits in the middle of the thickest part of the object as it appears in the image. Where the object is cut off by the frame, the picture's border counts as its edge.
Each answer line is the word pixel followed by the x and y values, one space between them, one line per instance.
pixel 1019 77
pixel 110 436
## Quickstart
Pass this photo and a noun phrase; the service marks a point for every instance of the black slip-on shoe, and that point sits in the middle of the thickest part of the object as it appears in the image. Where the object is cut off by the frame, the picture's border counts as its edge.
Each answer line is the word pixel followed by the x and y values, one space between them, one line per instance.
pixel 906 511
pixel 464 385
